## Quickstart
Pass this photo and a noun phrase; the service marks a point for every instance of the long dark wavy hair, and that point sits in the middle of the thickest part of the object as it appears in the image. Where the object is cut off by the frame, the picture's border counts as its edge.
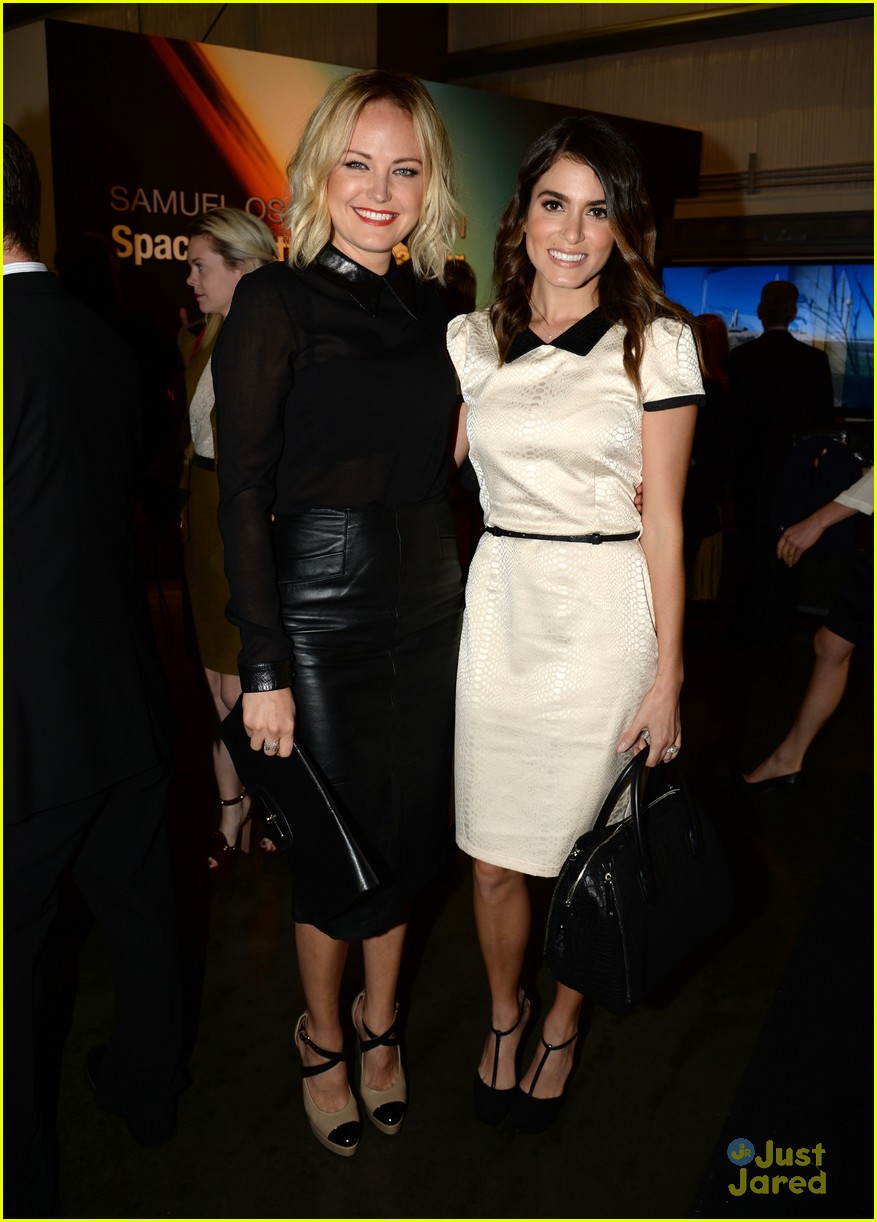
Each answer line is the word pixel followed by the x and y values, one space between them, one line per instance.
pixel 629 290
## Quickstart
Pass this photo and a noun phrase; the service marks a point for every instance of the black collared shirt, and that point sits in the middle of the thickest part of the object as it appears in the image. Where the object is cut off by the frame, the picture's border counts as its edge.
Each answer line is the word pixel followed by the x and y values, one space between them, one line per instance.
pixel 580 338
pixel 333 389
pixel 364 286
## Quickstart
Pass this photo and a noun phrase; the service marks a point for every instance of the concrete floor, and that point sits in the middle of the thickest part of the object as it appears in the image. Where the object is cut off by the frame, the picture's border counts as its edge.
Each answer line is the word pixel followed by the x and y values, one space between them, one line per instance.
pixel 654 1091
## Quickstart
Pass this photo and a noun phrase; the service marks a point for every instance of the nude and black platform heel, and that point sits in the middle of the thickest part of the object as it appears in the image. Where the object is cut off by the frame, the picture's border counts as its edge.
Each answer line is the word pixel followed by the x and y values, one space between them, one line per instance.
pixel 384 1108
pixel 337 1131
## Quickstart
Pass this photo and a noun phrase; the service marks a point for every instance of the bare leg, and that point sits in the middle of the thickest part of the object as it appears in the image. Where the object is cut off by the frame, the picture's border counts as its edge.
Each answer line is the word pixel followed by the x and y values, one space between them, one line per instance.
pixel 321 962
pixel 561 1024
pixel 225 690
pixel 828 681
pixel 382 957
pixel 502 919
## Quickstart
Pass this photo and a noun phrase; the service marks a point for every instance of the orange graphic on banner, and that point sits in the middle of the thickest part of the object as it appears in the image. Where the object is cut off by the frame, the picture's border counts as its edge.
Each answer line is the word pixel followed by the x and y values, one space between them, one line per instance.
pixel 226 125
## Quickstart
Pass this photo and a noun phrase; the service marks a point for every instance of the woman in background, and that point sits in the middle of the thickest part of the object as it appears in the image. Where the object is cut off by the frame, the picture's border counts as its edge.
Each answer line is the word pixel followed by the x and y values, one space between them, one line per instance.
pixel 224 244
pixel 704 490
pixel 579 382
pixel 335 399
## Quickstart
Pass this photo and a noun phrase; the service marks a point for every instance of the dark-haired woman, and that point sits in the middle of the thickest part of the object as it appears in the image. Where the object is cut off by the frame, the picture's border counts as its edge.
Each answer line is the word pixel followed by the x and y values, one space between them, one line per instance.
pixel 581 380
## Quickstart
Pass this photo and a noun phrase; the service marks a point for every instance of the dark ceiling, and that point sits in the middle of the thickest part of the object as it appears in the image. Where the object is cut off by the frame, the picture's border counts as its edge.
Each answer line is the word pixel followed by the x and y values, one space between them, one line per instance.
pixel 726 22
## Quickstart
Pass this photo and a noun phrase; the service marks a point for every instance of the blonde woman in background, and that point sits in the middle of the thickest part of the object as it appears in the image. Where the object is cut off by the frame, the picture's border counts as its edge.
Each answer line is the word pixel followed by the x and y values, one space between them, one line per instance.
pixel 224 245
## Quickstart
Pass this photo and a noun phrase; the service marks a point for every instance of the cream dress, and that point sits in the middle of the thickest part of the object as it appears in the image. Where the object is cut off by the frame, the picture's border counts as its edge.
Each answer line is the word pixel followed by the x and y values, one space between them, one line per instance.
pixel 559 643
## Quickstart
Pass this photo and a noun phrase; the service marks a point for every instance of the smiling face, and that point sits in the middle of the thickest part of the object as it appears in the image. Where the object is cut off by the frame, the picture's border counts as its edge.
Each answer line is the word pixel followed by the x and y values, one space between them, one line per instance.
pixel 568 239
pixel 210 276
pixel 375 192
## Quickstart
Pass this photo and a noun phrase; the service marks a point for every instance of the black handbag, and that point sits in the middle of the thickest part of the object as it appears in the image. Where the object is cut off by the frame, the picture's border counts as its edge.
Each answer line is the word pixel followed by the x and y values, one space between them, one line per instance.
pixel 331 866
pixel 634 898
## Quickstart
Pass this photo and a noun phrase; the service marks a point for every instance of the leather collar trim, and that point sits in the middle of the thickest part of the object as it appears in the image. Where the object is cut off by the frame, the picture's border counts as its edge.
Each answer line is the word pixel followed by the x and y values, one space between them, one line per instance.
pixel 365 286
pixel 580 338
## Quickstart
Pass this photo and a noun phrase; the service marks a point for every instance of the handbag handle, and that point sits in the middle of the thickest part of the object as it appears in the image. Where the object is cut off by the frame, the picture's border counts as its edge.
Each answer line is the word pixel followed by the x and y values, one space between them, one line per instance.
pixel 634 775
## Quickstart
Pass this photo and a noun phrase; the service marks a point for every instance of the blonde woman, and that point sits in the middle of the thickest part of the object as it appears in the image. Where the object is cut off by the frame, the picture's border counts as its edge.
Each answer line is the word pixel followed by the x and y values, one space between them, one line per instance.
pixel 224 245
pixel 335 400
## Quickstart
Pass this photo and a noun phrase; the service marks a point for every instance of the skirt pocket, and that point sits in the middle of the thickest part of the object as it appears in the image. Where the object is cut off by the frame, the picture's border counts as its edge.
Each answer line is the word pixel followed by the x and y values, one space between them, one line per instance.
pixel 310 547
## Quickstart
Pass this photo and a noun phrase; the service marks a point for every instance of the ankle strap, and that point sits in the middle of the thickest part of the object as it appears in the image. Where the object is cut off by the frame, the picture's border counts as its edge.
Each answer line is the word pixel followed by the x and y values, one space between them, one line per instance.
pixel 234 801
pixel 332 1058
pixel 500 1035
pixel 389 1039
pixel 549 1048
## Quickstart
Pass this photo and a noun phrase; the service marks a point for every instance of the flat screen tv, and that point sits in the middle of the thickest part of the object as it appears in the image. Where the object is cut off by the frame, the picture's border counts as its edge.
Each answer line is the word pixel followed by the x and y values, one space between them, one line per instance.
pixel 835 312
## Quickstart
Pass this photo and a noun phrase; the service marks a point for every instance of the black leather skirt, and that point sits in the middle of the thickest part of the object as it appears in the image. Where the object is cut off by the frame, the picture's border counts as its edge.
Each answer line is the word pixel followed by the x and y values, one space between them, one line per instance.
pixel 372 602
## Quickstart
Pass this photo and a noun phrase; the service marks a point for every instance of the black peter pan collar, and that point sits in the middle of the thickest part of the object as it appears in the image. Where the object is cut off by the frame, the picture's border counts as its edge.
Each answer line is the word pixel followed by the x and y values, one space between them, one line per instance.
pixel 579 339
pixel 364 286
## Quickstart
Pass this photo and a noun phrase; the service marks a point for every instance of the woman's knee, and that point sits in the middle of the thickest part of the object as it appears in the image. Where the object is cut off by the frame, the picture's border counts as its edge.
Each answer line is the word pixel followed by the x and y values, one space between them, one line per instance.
pixel 229 690
pixel 490 879
pixel 831 648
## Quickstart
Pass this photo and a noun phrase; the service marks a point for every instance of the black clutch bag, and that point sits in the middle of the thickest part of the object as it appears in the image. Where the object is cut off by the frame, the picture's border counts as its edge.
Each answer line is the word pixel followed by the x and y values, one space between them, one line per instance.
pixel 635 898
pixel 331 868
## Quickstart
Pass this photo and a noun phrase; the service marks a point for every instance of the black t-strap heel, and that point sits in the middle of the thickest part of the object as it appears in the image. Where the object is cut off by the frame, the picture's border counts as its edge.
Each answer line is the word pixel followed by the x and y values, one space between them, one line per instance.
pixel 492 1105
pixel 532 1115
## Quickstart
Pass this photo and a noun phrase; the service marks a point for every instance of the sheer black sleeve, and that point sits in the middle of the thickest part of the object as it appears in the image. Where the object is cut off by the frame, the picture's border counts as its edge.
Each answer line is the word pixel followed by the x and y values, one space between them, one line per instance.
pixel 253 377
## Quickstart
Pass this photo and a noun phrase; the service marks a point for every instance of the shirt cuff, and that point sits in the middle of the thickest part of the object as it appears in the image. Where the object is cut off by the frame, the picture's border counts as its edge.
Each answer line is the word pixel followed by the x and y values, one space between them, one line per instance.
pixel 859 495
pixel 266 676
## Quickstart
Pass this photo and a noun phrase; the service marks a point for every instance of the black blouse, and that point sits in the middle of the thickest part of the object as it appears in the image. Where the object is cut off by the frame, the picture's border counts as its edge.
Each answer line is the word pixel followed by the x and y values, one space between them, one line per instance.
pixel 333 389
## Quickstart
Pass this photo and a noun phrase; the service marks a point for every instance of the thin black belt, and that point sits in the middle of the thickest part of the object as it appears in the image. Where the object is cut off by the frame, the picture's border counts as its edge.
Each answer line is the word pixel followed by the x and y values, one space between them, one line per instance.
pixel 209 464
pixel 593 538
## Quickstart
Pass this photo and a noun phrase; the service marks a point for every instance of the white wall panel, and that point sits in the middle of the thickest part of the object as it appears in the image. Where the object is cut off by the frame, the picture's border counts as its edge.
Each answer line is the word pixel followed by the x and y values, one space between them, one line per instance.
pixel 795 98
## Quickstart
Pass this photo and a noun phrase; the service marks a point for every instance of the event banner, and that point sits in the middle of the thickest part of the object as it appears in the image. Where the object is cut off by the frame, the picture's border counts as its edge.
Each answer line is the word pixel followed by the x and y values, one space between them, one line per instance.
pixel 147 133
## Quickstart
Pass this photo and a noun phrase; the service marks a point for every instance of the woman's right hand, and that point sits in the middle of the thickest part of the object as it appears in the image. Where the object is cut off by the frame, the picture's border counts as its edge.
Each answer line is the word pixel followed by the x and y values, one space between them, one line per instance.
pixel 269 717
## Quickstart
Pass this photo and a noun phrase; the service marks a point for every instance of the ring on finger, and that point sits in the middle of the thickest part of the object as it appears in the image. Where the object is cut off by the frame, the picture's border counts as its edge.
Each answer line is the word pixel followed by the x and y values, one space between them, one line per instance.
pixel 672 750
pixel 645 736
pixel 270 748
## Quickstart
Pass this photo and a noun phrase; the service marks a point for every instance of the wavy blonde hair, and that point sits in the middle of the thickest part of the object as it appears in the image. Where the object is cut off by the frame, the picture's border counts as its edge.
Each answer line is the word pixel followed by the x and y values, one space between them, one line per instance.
pixel 241 239
pixel 326 139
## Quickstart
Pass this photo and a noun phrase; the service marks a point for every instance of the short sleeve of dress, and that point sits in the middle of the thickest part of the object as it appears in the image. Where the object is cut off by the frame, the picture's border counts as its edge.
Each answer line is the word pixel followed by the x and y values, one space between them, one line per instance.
pixel 670 372
pixel 458 342
pixel 252 377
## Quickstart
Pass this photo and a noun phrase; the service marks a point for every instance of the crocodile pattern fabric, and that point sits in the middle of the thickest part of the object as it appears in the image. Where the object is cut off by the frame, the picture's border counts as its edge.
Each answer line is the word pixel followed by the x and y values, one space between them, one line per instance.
pixel 559 641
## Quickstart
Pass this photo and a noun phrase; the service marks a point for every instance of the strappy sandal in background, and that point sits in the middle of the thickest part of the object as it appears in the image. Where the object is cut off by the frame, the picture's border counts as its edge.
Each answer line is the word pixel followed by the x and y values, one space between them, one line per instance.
pixel 224 854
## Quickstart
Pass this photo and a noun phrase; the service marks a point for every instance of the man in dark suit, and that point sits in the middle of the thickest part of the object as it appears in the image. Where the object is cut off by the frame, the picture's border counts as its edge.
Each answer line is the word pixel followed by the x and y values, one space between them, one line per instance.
pixel 780 388
pixel 780 393
pixel 87 715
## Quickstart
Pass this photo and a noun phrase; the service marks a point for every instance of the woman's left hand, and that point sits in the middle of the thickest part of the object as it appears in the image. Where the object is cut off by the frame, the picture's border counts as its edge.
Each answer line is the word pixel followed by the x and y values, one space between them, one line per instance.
pixel 656 727
pixel 795 540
